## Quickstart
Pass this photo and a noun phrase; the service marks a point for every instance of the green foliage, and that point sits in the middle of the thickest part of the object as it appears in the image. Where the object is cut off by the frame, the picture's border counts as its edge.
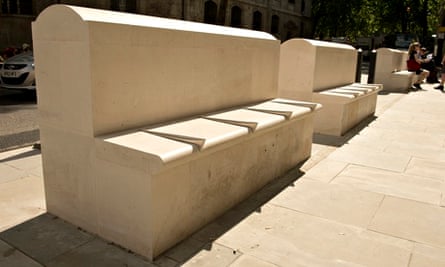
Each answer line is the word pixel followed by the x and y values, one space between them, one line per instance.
pixel 355 18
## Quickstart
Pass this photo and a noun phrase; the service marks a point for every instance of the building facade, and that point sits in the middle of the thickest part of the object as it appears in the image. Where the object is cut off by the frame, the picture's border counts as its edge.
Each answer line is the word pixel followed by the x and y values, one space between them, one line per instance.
pixel 283 18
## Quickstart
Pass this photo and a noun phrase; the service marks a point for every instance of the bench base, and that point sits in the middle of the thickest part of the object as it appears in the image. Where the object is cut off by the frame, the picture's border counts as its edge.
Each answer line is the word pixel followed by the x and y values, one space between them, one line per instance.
pixel 400 81
pixel 340 113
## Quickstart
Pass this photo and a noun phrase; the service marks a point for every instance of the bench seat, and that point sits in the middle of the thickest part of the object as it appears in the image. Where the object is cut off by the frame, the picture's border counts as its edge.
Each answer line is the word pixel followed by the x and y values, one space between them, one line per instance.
pixel 181 139
pixel 194 170
pixel 324 72
pixel 344 107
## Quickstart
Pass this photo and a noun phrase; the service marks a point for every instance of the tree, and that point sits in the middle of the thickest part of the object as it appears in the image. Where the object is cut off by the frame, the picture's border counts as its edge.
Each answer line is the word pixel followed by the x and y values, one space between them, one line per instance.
pixel 355 18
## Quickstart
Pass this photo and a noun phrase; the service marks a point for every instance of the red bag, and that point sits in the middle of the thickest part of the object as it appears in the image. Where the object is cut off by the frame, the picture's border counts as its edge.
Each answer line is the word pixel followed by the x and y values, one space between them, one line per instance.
pixel 412 65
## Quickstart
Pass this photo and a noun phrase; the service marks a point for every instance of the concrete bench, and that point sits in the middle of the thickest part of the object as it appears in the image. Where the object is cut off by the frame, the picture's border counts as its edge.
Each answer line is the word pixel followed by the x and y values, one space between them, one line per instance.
pixel 391 70
pixel 151 127
pixel 324 72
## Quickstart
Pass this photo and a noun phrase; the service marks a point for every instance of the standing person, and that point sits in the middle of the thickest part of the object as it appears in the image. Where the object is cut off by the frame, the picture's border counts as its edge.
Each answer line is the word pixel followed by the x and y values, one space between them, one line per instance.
pixel 414 64
pixel 442 76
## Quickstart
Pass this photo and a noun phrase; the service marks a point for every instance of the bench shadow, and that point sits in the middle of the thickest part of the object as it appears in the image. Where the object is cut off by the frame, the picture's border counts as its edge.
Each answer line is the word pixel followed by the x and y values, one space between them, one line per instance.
pixel 203 239
pixel 55 240
pixel 338 141
pixel 21 155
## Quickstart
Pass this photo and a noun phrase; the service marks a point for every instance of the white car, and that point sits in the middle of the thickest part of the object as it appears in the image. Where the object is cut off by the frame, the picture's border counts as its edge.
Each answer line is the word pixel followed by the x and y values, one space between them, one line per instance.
pixel 17 72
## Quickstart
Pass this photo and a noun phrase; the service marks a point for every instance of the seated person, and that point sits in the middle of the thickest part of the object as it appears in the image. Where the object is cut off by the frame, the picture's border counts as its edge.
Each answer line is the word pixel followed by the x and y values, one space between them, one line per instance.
pixel 428 65
pixel 414 64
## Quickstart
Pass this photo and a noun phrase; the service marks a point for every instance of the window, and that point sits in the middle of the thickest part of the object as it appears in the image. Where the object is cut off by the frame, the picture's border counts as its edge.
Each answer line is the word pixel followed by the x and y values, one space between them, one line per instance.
pixel 257 21
pixel 235 20
pixel 22 7
pixel 210 9
pixel 291 1
pixel 274 27
pixel 123 5
pixel 303 6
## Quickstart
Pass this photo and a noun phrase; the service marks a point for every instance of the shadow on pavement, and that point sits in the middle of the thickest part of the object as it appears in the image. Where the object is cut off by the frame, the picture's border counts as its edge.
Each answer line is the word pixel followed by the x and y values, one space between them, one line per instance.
pixel 21 156
pixel 51 241
pixel 17 97
pixel 204 238
pixel 16 140
pixel 338 141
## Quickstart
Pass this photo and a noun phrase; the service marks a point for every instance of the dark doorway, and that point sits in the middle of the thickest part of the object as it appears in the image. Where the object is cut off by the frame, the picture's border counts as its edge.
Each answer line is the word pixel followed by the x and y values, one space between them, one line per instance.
pixel 210 10
pixel 257 21
pixel 235 20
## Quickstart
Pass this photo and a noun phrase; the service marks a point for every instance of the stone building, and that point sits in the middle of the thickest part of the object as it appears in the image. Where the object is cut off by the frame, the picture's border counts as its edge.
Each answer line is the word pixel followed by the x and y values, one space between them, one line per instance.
pixel 283 18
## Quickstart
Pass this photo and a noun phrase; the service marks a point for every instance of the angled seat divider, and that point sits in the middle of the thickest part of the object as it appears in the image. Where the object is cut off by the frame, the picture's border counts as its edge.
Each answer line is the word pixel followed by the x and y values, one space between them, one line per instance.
pixel 151 128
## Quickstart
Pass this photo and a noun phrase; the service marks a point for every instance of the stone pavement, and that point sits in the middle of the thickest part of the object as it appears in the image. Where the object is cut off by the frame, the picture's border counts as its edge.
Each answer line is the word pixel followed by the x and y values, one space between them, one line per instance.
pixel 375 197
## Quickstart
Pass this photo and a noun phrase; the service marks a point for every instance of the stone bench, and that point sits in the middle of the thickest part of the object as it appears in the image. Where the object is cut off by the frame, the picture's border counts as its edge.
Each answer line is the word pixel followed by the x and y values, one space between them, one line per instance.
pixel 391 70
pixel 324 72
pixel 151 127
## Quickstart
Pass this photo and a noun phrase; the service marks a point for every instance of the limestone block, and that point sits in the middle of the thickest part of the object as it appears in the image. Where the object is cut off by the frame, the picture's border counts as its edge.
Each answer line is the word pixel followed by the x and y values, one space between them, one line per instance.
pixel 391 70
pixel 307 66
pixel 324 72
pixel 100 67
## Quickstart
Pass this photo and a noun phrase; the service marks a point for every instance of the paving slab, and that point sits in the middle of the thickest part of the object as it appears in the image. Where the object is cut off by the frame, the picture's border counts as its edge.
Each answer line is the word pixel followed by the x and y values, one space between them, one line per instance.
pixel 417 150
pixel 45 237
pixel 386 124
pixel 424 255
pixel 20 200
pixel 99 253
pixel 287 238
pixel 363 155
pixel 392 183
pixel 381 138
pixel 213 255
pixel 246 260
pixel 13 173
pixel 411 220
pixel 431 168
pixel 185 250
pixel 11 257
pixel 325 170
pixel 339 203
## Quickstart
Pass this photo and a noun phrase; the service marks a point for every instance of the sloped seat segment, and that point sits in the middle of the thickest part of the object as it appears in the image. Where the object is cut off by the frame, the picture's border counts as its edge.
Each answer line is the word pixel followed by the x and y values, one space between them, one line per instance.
pixel 177 140
pixel 353 90
pixel 372 86
pixel 251 119
pixel 289 109
pixel 404 73
pixel 165 149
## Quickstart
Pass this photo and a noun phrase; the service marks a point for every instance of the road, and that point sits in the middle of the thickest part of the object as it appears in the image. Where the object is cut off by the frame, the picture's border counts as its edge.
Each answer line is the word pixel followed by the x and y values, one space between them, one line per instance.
pixel 18 119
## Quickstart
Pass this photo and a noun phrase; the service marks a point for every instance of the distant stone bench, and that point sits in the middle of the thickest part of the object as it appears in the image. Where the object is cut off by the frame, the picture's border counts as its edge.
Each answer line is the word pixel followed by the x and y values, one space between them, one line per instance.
pixel 324 72
pixel 391 70
pixel 151 127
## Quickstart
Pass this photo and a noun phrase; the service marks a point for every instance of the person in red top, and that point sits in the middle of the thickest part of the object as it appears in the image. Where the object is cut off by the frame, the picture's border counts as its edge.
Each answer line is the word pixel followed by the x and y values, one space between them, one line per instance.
pixel 414 64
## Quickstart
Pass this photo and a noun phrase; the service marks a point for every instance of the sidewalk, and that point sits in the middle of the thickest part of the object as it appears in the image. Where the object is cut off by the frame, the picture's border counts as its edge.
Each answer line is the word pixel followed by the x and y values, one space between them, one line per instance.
pixel 375 197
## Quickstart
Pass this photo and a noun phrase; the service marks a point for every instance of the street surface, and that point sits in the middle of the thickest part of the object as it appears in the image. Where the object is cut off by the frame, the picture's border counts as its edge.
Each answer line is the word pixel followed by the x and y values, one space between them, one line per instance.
pixel 18 119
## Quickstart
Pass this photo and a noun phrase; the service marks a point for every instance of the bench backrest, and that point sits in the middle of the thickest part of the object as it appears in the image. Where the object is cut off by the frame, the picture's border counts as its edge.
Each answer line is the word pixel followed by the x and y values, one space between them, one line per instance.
pixel 102 71
pixel 389 60
pixel 308 66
